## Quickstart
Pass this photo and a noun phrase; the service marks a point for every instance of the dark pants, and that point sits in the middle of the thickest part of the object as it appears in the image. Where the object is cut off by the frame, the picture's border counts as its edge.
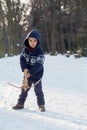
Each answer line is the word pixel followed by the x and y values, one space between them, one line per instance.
pixel 38 92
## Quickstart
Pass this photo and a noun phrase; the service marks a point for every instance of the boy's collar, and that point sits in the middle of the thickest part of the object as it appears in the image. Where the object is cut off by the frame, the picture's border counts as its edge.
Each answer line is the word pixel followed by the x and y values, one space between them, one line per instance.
pixel 31 49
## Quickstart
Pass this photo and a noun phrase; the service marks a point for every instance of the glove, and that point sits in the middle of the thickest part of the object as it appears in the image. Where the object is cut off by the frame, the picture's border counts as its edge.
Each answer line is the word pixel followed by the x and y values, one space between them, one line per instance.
pixel 26 73
pixel 25 85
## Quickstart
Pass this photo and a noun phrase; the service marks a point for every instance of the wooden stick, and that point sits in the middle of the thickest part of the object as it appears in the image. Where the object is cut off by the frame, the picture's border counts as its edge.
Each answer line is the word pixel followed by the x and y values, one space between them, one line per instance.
pixel 13 85
pixel 33 85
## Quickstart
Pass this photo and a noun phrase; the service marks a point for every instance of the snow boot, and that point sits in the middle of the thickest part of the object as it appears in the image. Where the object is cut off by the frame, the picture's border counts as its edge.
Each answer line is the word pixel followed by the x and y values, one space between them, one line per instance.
pixel 18 106
pixel 42 108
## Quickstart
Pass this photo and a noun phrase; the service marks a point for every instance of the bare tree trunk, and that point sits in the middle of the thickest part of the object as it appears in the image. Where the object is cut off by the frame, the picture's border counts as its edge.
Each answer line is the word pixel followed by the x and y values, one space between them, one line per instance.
pixel 53 29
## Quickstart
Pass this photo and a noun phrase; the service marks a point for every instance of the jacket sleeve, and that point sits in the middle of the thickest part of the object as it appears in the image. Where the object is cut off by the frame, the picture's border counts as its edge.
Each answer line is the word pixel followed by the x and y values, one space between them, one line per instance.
pixel 23 63
pixel 38 65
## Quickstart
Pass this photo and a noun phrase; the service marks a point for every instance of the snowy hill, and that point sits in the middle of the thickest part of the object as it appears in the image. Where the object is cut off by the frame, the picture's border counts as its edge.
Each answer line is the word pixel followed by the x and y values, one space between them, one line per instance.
pixel 65 88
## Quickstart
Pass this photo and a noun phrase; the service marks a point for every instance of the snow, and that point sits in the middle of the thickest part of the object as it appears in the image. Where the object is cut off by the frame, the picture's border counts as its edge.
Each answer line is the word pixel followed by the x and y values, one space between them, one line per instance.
pixel 65 89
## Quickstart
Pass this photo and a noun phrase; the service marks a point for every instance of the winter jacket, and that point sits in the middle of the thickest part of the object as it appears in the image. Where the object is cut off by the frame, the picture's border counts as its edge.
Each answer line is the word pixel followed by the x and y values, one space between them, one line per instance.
pixel 33 60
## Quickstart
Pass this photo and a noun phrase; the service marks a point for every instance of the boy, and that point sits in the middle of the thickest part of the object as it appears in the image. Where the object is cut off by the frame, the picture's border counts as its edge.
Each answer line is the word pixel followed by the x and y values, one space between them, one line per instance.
pixel 31 61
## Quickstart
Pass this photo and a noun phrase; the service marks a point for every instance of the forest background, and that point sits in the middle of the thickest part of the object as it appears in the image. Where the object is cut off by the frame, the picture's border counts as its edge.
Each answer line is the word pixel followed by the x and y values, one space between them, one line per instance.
pixel 62 24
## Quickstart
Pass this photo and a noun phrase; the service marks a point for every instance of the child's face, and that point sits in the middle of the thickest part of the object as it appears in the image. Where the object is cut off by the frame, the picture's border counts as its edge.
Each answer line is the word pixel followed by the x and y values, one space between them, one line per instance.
pixel 32 42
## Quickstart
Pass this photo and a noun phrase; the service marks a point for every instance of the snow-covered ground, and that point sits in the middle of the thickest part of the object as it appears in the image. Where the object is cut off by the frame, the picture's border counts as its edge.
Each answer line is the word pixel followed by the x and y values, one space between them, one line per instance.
pixel 65 88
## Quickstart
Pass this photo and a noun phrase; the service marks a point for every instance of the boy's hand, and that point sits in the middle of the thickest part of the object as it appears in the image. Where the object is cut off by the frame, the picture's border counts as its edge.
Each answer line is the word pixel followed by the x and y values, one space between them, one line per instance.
pixel 26 73
pixel 25 85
